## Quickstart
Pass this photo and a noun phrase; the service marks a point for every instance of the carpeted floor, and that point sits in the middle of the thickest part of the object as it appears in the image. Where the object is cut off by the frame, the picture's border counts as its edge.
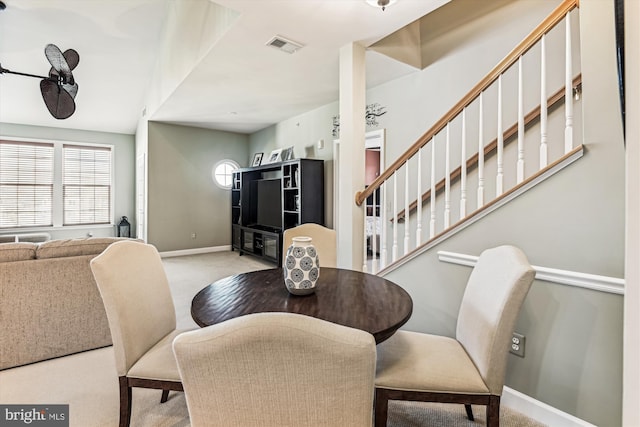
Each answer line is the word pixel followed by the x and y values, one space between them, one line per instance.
pixel 88 383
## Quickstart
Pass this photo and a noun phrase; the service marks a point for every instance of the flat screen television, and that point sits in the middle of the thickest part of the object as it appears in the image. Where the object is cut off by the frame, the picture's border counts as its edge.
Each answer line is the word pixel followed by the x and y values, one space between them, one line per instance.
pixel 268 201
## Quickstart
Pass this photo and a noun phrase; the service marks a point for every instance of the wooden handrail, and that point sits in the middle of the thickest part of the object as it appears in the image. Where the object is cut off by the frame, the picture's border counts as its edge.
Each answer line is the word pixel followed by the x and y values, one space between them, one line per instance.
pixel 491 147
pixel 527 43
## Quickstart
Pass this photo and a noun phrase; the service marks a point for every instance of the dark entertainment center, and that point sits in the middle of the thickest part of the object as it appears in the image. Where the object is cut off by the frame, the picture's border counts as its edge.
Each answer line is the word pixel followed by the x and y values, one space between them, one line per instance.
pixel 268 199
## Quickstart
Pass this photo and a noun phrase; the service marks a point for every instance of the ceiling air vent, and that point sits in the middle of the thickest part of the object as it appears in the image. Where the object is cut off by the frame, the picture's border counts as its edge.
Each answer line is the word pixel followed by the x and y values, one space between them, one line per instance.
pixel 284 45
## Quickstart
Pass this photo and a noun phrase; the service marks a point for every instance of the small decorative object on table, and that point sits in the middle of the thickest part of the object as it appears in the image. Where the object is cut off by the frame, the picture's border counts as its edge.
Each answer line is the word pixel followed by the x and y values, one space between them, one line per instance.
pixel 301 267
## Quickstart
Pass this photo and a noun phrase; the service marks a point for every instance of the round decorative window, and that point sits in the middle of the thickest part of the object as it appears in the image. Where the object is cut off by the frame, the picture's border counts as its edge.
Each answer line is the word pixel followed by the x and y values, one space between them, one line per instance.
pixel 222 173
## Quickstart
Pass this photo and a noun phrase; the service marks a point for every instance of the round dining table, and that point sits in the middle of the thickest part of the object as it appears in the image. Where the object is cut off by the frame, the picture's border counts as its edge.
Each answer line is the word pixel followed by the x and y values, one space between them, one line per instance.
pixel 346 297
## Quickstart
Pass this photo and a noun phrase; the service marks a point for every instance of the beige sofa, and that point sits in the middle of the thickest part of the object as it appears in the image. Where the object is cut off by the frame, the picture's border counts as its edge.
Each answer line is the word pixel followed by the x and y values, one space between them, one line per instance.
pixel 50 305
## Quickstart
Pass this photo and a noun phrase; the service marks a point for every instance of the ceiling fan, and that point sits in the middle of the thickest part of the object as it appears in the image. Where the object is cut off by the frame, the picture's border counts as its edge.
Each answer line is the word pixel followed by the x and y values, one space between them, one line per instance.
pixel 59 89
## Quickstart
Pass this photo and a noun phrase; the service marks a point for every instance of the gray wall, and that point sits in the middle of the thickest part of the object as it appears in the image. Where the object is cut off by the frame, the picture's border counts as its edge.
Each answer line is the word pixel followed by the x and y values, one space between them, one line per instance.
pixel 124 151
pixel 574 221
pixel 182 196
pixel 303 133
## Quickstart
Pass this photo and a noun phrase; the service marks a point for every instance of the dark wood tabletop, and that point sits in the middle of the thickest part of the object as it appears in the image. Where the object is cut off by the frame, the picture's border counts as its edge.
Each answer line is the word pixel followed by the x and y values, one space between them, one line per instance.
pixel 346 297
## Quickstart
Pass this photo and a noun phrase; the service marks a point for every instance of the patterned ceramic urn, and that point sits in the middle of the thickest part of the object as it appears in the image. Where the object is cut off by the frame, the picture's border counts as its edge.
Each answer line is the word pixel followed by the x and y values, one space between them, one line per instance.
pixel 301 267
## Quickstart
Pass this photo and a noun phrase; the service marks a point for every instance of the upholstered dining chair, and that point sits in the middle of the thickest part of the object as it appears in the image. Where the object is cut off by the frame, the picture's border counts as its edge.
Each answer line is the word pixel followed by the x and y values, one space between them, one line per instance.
pixel 277 370
pixel 323 238
pixel 141 317
pixel 469 368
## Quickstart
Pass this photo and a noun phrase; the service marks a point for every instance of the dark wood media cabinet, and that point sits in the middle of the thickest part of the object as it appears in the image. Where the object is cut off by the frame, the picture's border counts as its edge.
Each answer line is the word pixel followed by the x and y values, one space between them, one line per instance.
pixel 268 199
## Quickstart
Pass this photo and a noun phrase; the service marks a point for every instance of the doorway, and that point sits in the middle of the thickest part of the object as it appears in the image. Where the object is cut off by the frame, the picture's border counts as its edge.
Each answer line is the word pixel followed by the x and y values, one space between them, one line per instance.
pixel 374 164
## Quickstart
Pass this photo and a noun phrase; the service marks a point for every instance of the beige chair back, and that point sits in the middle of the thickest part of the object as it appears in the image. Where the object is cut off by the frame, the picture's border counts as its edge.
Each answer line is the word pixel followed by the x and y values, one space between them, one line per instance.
pixel 137 299
pixel 490 305
pixel 323 238
pixel 277 370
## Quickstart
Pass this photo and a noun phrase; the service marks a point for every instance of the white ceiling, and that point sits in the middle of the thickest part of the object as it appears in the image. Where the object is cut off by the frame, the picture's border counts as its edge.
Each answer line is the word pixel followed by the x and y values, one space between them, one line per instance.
pixel 241 84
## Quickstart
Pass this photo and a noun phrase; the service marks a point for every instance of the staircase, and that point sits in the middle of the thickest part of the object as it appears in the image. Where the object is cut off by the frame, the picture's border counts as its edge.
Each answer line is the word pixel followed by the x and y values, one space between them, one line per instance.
pixel 470 162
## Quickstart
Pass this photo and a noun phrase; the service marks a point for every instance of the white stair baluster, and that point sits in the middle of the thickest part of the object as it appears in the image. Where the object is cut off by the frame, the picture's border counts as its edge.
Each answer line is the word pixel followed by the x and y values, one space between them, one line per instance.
pixel 419 200
pixel 447 183
pixel 499 176
pixel 394 248
pixel 406 207
pixel 543 103
pixel 568 94
pixel 463 167
pixel 383 225
pixel 364 244
pixel 520 163
pixel 480 155
pixel 432 203
pixel 374 232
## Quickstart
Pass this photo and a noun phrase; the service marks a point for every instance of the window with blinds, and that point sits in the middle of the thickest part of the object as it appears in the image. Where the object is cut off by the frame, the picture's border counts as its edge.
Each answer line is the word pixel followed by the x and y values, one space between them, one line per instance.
pixel 86 185
pixel 26 184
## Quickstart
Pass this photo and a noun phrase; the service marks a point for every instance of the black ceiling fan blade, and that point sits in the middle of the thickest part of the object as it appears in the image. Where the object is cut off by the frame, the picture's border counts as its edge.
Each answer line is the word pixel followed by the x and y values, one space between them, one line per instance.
pixel 59 62
pixel 59 102
pixel 71 88
pixel 72 57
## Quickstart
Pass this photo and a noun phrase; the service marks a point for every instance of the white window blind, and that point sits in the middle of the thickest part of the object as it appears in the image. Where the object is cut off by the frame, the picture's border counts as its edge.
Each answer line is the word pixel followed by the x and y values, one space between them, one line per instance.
pixel 86 185
pixel 26 184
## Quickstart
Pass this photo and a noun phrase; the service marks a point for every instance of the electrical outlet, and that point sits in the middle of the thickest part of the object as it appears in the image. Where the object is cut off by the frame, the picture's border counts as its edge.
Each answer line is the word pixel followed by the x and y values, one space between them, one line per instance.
pixel 517 344
pixel 193 235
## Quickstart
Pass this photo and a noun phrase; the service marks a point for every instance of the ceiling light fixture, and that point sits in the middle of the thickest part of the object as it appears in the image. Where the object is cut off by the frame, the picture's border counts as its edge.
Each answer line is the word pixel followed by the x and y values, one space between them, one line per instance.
pixel 382 4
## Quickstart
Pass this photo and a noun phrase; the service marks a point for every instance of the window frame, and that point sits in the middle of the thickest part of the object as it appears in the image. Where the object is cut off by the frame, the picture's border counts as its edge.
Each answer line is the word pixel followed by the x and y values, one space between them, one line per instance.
pixel 57 213
pixel 220 163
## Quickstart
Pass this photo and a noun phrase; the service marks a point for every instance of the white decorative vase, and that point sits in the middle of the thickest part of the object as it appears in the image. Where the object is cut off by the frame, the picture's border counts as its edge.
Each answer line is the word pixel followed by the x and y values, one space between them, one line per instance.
pixel 301 267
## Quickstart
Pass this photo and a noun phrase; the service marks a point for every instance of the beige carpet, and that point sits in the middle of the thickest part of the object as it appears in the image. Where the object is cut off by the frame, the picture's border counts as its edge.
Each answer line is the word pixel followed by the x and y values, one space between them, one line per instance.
pixel 88 383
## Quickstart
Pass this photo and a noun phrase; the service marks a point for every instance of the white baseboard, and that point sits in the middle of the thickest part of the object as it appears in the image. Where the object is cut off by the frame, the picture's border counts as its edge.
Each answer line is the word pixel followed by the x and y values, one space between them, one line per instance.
pixel 195 251
pixel 539 411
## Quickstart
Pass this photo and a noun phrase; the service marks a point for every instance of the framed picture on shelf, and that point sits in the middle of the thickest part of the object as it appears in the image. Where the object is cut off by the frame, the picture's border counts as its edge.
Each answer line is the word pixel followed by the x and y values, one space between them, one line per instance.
pixel 275 156
pixel 287 153
pixel 257 159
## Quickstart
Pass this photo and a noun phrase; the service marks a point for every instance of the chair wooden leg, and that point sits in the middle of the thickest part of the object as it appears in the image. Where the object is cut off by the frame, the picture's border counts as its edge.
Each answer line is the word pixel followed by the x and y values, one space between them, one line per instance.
pixel 165 396
pixel 381 408
pixel 125 402
pixel 469 410
pixel 493 411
